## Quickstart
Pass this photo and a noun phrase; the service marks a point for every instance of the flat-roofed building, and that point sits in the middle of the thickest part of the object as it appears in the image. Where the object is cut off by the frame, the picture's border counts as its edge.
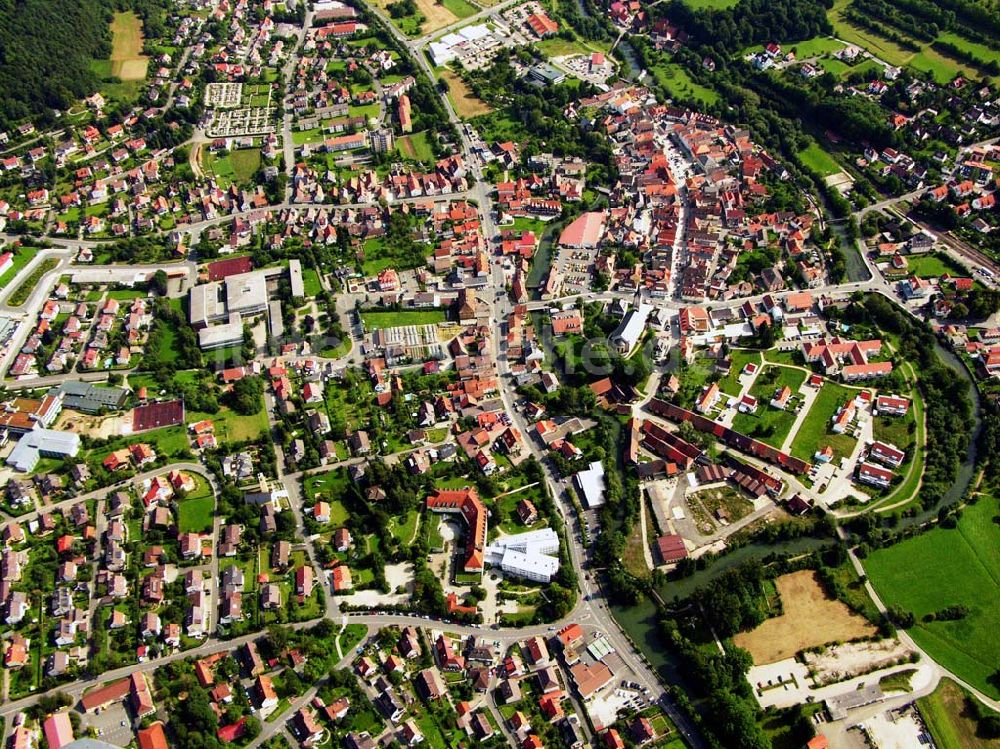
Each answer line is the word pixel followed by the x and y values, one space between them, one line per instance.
pixel 295 277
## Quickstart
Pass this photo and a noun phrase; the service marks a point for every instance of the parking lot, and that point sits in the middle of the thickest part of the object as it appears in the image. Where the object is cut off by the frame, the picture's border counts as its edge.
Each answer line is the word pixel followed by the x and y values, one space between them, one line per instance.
pixel 108 724
pixel 575 267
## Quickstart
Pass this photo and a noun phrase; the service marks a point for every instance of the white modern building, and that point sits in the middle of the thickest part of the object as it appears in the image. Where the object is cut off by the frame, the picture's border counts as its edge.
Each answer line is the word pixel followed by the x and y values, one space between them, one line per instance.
pixel 42 443
pixel 532 555
pixel 591 485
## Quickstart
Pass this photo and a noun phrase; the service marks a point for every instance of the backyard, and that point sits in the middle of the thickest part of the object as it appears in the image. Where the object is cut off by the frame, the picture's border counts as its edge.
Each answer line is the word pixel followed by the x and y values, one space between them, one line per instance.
pixel 769 424
pixel 816 431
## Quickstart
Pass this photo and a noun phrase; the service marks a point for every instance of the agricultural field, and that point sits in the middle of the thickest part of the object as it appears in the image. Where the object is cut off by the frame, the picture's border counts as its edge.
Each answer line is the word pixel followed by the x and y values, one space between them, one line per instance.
pixel 815 431
pixel 948 567
pixel 435 15
pixel 462 99
pixel 769 424
pixel 127 61
pixel 381 320
pixel 947 719
pixel 928 59
pixel 809 619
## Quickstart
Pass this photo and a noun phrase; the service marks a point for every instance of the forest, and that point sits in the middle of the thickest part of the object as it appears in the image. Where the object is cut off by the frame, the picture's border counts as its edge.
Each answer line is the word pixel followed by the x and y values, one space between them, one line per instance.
pixel 47 47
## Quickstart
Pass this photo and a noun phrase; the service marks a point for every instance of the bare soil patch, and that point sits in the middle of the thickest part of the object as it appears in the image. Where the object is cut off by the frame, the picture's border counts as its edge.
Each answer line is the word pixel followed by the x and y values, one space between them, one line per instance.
pixel 810 619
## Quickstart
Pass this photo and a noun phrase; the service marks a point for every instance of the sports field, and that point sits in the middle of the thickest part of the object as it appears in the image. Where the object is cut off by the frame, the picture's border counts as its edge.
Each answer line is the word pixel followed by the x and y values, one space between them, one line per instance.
pixel 809 619
pixel 819 160
pixel 947 567
pixel 127 61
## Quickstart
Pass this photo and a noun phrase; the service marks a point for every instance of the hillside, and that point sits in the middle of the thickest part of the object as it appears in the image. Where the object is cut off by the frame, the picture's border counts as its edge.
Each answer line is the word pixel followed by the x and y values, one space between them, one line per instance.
pixel 46 47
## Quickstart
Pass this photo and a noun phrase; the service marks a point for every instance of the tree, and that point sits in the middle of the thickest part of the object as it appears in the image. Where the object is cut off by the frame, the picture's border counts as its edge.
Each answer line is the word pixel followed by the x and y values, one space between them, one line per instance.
pixel 247 396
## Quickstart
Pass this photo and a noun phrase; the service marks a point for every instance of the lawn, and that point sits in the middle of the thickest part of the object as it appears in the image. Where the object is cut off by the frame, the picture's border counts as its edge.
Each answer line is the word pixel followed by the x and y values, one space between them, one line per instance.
pixel 818 45
pixel 236 167
pixel 710 4
pixel 416 146
pixel 397 318
pixel 20 294
pixel 945 567
pixel 194 515
pixel 934 265
pixel 819 161
pixel 769 424
pixel 740 358
pixel 947 718
pixel 679 85
pixel 245 162
pixel 22 256
pixel 815 432
pixel 310 282
pixel 404 529
pixel 231 426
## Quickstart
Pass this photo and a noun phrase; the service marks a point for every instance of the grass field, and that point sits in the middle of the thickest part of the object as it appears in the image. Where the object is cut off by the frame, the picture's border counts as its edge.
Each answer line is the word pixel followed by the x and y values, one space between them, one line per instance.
pixel 416 146
pixel 559 47
pixel 381 320
pixel 947 718
pixel 20 294
pixel 462 99
pixel 815 431
pixel 943 68
pixel 679 85
pixel 195 515
pixel 819 161
pixel 22 256
pixel 809 619
pixel 710 4
pixel 934 265
pixel 945 567
pixel 235 167
pixel 770 425
pixel 310 282
pixel 231 426
pixel 818 45
pixel 127 61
